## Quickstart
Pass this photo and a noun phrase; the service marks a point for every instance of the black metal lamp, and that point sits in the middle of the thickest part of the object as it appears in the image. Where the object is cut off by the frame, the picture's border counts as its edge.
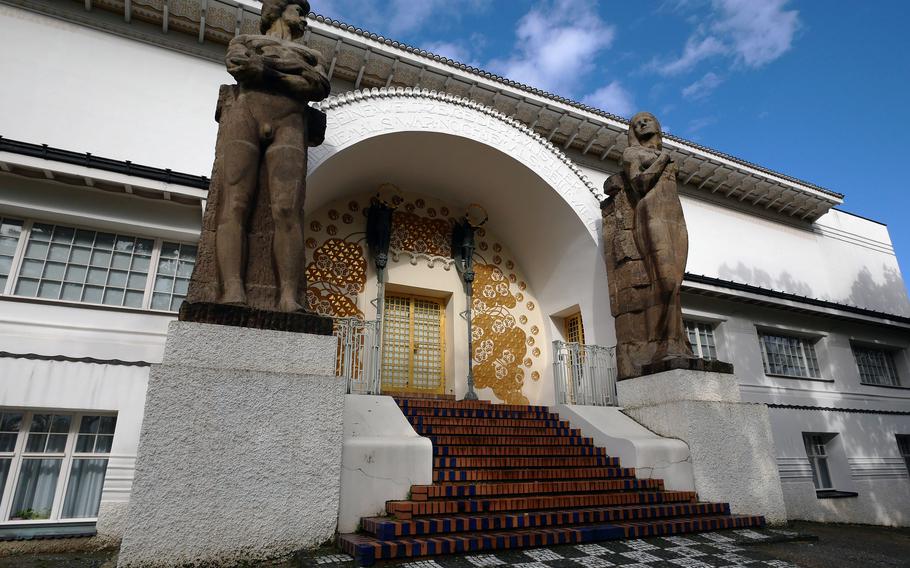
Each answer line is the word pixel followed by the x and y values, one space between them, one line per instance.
pixel 463 245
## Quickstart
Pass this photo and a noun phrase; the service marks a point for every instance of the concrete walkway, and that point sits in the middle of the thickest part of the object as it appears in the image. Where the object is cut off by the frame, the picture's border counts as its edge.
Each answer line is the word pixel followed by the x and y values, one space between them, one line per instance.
pixel 795 547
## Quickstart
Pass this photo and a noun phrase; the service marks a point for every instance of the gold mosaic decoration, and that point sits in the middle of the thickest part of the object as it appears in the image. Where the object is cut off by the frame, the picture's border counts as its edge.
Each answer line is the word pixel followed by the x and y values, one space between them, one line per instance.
pixel 499 344
pixel 411 232
pixel 336 274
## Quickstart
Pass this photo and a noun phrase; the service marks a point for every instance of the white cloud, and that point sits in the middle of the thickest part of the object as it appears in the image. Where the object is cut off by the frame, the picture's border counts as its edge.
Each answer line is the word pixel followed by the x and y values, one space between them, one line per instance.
pixel 557 44
pixel 612 98
pixel 696 50
pixel 703 87
pixel 759 32
pixel 394 17
pixel 700 123
pixel 751 32
pixel 452 50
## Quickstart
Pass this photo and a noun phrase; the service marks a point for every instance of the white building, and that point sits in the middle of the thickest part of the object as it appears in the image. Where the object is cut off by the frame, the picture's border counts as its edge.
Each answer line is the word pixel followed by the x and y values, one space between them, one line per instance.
pixel 98 231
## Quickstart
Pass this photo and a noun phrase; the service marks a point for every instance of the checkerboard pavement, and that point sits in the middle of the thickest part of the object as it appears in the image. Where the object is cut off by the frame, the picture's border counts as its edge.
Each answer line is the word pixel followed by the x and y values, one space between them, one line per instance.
pixel 704 550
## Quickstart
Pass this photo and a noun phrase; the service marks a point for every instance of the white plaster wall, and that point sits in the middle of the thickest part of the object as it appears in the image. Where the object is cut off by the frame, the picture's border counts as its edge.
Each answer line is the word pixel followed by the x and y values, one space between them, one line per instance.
pixel 81 387
pixel 382 458
pixel 865 458
pixel 91 91
pixel 652 456
pixel 841 257
pixel 240 456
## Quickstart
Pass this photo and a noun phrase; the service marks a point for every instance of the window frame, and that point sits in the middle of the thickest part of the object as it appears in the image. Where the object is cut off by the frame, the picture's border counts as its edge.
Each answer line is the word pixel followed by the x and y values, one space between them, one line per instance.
pixel 698 348
pixel 8 290
pixel 67 457
pixel 804 341
pixel 903 448
pixel 567 326
pixel 890 363
pixel 814 459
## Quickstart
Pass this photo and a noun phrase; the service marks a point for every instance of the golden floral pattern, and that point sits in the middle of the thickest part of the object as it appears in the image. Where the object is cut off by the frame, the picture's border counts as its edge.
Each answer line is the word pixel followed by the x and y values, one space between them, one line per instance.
pixel 414 233
pixel 336 276
pixel 499 344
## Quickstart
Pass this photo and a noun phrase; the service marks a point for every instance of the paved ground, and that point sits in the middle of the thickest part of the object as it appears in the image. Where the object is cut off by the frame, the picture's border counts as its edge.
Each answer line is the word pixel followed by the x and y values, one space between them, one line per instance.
pixel 837 546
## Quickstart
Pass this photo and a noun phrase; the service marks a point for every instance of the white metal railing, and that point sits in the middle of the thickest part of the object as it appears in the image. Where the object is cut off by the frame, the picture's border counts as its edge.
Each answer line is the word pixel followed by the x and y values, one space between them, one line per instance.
pixel 584 374
pixel 358 358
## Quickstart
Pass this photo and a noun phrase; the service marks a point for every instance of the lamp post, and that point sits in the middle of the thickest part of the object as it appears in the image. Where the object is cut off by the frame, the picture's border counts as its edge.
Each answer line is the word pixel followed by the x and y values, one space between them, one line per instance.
pixel 463 254
pixel 379 236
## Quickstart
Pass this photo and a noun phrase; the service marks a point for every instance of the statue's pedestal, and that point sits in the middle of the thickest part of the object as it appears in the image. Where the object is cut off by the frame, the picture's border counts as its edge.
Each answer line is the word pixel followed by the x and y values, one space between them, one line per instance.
pixel 240 453
pixel 730 442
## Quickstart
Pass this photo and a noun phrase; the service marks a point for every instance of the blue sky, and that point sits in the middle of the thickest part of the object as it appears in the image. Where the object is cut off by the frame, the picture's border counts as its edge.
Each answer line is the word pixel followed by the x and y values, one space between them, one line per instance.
pixel 819 90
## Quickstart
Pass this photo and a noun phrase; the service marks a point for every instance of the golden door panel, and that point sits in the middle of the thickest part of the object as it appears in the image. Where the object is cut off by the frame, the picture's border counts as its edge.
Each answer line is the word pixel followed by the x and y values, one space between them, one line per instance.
pixel 413 346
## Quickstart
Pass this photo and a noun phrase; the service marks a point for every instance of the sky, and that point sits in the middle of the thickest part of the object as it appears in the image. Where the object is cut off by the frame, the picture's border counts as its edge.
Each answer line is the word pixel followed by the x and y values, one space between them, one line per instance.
pixel 819 90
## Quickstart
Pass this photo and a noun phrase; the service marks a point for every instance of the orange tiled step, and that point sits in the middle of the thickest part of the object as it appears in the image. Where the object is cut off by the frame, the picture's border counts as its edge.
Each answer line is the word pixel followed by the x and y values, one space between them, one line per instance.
pixel 476 404
pixel 488 422
pixel 386 528
pixel 450 490
pixel 518 451
pixel 409 509
pixel 494 431
pixel 474 440
pixel 492 412
pixel 367 549
pixel 440 475
pixel 522 462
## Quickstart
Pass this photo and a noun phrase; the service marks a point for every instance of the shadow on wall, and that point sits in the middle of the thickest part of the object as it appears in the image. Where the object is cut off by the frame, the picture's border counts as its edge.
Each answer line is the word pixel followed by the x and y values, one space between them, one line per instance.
pixel 890 296
pixel 758 277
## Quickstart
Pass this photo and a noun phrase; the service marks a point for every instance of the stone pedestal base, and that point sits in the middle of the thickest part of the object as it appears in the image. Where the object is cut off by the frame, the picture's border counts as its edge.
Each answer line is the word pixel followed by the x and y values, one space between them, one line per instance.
pixel 730 442
pixel 240 453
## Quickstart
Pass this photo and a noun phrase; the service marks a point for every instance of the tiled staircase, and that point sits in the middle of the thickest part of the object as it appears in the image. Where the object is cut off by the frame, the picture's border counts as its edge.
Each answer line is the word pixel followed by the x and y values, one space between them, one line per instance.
pixel 510 476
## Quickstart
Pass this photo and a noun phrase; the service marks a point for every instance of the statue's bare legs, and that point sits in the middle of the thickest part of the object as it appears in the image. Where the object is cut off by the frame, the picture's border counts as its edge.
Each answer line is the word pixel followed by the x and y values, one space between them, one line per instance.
pixel 285 165
pixel 241 163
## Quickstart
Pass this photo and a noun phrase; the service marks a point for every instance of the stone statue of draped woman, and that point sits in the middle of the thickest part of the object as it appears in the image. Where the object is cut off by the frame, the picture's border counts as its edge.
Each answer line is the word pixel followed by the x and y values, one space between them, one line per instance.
pixel 647 248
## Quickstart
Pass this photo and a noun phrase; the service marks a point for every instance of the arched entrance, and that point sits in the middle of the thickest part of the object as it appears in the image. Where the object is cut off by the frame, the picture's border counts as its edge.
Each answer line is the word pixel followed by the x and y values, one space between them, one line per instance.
pixel 455 152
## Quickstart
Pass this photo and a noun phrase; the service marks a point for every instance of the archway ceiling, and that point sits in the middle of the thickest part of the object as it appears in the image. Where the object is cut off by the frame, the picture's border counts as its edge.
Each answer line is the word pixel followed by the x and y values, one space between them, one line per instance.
pixel 527 214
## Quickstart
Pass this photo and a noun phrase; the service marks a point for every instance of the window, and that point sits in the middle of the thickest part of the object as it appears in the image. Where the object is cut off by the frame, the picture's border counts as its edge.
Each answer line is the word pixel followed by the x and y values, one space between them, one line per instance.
pixel 575 330
pixel 10 229
pixel 701 336
pixel 876 366
pixel 789 356
pixel 413 347
pixel 817 453
pixel 174 270
pixel 903 446
pixel 93 267
pixel 52 465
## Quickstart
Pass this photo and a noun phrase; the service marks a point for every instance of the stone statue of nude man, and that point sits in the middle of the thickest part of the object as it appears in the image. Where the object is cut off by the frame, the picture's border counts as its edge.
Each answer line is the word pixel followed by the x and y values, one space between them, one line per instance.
pixel 263 142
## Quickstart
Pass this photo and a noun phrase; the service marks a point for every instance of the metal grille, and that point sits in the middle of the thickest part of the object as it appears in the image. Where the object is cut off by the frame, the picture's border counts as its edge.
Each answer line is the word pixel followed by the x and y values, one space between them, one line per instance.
pixel 412 344
pixel 701 336
pixel 876 366
pixel 358 354
pixel 575 331
pixel 584 374
pixel 790 356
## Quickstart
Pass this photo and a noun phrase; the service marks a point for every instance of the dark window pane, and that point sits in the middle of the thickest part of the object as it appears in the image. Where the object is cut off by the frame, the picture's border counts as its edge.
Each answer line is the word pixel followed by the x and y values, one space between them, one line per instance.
pixel 4 473
pixel 89 424
pixel 84 443
pixel 36 443
pixel 56 443
pixel 104 444
pixel 8 442
pixel 108 423
pixel 40 423
pixel 61 424
pixel 10 421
